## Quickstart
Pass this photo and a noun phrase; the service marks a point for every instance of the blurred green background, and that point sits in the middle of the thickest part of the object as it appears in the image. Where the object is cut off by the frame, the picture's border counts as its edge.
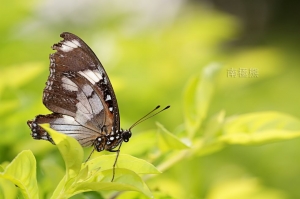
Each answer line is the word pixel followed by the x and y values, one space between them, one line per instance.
pixel 150 49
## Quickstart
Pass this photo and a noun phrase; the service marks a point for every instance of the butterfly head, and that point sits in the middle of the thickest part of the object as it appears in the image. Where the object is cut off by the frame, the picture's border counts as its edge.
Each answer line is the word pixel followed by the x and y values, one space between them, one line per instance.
pixel 126 134
pixel 116 137
pixel 112 140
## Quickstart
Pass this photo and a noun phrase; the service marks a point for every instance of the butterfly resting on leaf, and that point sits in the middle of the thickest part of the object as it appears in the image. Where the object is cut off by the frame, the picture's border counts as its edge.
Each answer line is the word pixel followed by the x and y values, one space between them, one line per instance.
pixel 81 97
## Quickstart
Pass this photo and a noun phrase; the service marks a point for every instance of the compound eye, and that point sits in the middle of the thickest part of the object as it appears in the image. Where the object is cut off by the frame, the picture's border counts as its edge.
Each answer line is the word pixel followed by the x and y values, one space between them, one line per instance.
pixel 126 135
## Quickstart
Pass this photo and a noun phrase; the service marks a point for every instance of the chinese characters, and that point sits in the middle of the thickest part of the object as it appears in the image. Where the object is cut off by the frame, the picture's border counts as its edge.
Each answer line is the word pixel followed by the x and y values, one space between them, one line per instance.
pixel 242 73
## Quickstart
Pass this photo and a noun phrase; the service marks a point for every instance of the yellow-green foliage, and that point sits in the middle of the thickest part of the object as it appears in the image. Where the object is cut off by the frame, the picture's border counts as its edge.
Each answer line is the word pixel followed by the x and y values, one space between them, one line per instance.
pixel 232 129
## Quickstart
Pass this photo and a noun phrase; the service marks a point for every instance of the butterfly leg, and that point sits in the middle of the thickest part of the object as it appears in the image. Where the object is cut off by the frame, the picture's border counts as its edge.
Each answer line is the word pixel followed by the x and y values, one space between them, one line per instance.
pixel 114 165
pixel 90 155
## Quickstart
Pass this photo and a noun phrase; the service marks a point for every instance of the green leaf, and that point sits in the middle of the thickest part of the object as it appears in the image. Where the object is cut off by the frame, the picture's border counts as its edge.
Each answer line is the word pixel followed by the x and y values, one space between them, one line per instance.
pixel 145 141
pixel 124 161
pixel 96 174
pixel 22 172
pixel 209 142
pixel 260 128
pixel 72 154
pixel 70 150
pixel 126 180
pixel 8 189
pixel 197 97
pixel 167 140
pixel 213 126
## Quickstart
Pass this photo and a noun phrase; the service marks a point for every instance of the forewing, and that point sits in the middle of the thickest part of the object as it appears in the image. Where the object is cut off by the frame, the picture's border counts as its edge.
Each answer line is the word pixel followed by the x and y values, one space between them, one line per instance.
pixel 78 85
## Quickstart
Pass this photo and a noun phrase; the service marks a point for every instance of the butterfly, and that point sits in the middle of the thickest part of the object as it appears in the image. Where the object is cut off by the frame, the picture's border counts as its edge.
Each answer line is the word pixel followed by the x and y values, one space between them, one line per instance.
pixel 81 97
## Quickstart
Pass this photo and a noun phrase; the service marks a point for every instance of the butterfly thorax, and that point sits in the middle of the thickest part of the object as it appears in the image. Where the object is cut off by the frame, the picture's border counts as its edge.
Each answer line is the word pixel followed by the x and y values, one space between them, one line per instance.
pixel 110 141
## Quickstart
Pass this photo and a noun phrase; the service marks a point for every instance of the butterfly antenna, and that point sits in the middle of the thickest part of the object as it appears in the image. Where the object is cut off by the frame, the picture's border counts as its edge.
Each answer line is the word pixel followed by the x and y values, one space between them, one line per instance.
pixel 147 116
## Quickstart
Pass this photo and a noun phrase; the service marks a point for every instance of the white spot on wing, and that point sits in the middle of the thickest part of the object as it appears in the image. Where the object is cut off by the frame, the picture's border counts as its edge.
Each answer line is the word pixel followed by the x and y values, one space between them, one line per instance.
pixel 65 48
pixel 76 42
pixel 83 104
pixel 96 104
pixel 98 74
pixel 89 104
pixel 86 76
pixel 68 84
pixel 92 76
pixel 108 97
pixel 90 99
pixel 81 114
pixel 69 118
pixel 72 44
pixel 84 112
pixel 87 89
pixel 59 123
